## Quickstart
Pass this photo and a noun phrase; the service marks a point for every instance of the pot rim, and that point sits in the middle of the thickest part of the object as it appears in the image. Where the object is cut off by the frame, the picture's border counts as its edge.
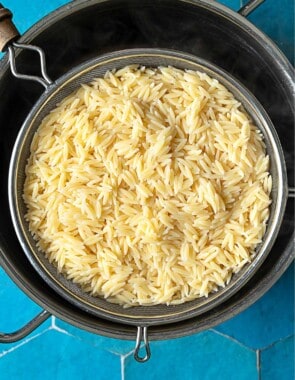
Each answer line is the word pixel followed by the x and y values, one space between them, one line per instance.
pixel 210 319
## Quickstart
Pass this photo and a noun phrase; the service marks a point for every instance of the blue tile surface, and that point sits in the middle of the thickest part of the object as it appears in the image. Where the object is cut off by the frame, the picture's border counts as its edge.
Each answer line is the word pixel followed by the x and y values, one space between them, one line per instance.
pixel 269 319
pixel 53 355
pixel 204 356
pixel 16 310
pixel 121 347
pixel 27 12
pixel 277 361
pixel 14 300
pixel 257 344
pixel 278 24
pixel 233 4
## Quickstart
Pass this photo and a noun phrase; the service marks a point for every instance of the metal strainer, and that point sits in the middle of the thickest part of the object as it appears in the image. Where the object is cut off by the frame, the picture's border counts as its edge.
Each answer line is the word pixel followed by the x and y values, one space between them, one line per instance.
pixel 55 91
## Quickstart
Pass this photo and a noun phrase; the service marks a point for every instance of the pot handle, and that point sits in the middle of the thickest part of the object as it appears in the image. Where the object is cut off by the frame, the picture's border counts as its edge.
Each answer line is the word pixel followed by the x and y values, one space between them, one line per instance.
pixel 142 335
pixel 26 329
pixel 8 35
pixel 249 7
pixel 8 31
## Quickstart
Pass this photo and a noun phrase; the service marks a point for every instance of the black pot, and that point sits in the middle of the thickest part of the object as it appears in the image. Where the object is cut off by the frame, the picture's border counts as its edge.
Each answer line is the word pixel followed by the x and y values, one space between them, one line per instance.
pixel 86 29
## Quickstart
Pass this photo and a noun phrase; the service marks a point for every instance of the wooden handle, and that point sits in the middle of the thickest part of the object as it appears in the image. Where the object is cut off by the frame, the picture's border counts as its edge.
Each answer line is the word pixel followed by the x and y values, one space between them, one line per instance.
pixel 8 31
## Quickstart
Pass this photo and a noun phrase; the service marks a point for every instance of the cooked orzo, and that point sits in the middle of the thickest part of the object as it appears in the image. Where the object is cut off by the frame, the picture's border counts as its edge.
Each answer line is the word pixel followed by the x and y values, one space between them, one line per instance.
pixel 148 186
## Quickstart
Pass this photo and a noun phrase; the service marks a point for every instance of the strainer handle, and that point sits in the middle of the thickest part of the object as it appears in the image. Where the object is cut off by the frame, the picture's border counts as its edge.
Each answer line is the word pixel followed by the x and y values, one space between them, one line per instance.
pixel 249 7
pixel 8 35
pixel 26 329
pixel 142 335
pixel 44 80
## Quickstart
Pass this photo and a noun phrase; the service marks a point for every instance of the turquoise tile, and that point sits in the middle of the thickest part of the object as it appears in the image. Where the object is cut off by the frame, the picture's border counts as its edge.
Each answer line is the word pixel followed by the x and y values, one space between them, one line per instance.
pixel 60 357
pixel 277 361
pixel 276 19
pixel 26 12
pixel 16 310
pixel 114 345
pixel 206 356
pixel 232 4
pixel 15 307
pixel 271 318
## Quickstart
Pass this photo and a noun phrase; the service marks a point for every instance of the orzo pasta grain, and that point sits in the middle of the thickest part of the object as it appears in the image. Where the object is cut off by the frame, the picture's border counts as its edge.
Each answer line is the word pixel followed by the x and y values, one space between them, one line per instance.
pixel 148 186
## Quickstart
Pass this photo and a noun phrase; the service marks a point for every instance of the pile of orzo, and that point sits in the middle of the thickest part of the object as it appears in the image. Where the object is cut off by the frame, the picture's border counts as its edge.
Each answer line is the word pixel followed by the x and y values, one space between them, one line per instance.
pixel 148 186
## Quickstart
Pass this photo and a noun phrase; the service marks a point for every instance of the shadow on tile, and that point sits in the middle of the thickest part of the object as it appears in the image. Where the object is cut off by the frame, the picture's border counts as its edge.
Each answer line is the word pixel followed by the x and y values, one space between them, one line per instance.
pixel 277 361
pixel 271 318
pixel 58 356
pixel 120 347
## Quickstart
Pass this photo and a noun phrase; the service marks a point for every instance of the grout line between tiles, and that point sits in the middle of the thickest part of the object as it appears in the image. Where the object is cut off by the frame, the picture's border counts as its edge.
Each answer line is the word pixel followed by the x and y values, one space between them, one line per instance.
pixel 122 361
pixel 250 348
pixel 277 341
pixel 232 339
pixel 25 341
pixel 258 364
pixel 56 328
pixel 127 354
pixel 123 357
